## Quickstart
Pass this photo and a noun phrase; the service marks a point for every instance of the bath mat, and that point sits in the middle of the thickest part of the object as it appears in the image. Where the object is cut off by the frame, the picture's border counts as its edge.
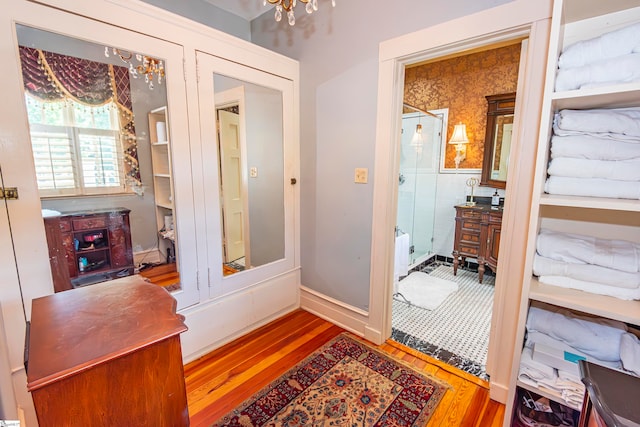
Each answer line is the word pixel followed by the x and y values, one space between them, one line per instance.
pixel 345 382
pixel 425 291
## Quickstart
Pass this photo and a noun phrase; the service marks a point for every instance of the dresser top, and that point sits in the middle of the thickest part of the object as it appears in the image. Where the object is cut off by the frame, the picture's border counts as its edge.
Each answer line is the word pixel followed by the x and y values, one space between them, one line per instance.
pixel 75 330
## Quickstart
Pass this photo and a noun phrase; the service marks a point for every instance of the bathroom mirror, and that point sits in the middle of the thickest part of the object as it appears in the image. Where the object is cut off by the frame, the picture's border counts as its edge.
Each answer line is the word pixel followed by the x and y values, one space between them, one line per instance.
pixel 101 143
pixel 497 144
pixel 251 172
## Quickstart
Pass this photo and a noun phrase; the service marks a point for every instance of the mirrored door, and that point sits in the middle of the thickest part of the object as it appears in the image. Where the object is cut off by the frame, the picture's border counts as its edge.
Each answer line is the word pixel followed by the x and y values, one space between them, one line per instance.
pixel 102 157
pixel 245 133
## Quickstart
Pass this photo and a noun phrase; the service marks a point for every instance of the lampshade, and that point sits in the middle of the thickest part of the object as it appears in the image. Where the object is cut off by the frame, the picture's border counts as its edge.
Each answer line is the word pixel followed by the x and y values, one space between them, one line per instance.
pixel 417 140
pixel 459 134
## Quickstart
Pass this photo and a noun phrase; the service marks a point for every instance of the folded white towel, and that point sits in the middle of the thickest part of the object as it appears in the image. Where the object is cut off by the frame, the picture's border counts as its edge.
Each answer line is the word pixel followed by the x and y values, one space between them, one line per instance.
pixel 401 264
pixel 621 170
pixel 610 71
pixel 543 266
pixel 591 147
pixel 630 353
pixel 579 249
pixel 609 45
pixel 534 337
pixel 622 121
pixel 534 370
pixel 591 287
pixel 592 187
pixel 597 337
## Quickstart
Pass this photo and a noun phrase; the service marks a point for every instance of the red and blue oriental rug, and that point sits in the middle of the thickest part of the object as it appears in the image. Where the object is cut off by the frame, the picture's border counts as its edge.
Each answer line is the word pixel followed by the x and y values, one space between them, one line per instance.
pixel 344 383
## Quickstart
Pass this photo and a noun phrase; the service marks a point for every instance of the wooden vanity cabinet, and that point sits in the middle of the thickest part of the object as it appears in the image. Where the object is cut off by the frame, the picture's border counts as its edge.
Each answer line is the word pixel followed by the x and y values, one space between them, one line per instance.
pixel 477 235
pixel 107 355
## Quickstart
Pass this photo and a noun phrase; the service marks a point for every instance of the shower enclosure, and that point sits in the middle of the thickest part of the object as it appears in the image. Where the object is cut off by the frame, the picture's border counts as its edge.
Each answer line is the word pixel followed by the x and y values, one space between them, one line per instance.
pixel 418 179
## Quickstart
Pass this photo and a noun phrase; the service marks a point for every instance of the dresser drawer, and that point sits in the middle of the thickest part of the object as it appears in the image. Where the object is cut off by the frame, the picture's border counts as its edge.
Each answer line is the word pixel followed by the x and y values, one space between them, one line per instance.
pixel 89 223
pixel 65 224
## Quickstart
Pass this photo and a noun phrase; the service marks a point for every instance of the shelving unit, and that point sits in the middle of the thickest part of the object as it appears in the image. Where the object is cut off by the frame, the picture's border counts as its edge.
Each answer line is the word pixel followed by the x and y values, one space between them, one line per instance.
pixel 575 20
pixel 162 182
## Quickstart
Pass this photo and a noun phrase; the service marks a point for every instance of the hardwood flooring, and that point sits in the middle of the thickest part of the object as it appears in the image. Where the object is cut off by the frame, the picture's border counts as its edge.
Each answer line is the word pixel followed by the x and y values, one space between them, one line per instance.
pixel 224 378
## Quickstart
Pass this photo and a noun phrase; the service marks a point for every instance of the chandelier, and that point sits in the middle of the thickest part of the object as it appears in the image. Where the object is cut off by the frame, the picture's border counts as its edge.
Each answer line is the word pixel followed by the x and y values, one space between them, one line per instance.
pixel 146 66
pixel 288 5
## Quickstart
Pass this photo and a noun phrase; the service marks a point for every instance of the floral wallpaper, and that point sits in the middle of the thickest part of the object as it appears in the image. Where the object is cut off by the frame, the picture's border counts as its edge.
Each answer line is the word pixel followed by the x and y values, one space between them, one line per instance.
pixel 461 84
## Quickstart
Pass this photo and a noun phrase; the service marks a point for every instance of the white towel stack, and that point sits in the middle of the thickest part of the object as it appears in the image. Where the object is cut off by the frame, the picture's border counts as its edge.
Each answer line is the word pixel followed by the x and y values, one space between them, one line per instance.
pixel 611 58
pixel 601 341
pixel 599 266
pixel 595 153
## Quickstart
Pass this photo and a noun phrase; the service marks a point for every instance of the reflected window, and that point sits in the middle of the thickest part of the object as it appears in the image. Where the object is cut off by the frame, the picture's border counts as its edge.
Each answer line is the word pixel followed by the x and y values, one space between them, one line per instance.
pixel 76 148
pixel 81 124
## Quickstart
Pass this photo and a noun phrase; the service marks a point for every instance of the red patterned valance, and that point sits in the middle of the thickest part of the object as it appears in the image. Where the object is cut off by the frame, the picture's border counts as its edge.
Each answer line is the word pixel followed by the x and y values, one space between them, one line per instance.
pixel 51 77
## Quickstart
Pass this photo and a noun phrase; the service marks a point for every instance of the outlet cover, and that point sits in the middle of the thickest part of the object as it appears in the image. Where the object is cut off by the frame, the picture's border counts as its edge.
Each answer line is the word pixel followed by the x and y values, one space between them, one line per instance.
pixel 253 172
pixel 361 175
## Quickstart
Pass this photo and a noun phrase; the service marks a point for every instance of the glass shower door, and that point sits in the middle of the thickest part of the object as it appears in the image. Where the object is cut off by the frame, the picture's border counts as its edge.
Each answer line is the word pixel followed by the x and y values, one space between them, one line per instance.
pixel 419 154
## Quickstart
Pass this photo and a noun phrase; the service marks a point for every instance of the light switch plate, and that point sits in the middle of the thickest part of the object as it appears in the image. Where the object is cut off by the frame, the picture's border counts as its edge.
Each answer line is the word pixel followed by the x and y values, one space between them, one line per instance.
pixel 361 175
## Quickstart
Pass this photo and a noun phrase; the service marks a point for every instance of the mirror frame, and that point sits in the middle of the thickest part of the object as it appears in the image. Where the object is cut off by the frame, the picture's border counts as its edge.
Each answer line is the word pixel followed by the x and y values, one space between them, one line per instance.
pixel 498 105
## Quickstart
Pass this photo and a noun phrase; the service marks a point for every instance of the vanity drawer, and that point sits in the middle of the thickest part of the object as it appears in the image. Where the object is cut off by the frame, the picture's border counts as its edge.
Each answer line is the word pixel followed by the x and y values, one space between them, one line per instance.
pixel 470 238
pixel 472 226
pixel 89 223
pixel 469 250
pixel 469 213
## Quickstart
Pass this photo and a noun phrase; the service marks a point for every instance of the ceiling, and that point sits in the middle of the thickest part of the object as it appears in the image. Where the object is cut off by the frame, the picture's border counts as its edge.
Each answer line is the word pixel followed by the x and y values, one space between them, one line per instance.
pixel 247 9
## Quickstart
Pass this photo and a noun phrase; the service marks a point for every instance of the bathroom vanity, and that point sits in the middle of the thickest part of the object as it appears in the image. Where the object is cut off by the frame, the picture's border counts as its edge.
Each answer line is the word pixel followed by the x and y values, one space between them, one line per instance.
pixel 477 236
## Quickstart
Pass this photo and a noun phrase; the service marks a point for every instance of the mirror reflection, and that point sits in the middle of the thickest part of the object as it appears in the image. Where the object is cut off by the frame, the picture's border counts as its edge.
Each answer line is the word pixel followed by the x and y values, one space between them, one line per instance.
pixel 251 172
pixel 101 147
pixel 497 144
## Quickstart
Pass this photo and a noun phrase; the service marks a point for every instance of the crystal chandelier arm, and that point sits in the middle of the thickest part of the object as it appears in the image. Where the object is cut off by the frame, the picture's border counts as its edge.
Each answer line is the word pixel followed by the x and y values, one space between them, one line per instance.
pixel 287 5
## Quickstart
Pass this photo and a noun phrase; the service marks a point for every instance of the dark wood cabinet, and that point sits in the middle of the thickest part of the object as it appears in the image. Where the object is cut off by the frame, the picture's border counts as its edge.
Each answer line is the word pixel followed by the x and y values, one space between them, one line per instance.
pixel 93 246
pixel 477 236
pixel 107 355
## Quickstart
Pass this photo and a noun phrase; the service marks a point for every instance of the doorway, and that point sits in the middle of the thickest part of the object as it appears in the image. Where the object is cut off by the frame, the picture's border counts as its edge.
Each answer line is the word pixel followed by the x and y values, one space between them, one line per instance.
pixel 506 23
pixel 456 329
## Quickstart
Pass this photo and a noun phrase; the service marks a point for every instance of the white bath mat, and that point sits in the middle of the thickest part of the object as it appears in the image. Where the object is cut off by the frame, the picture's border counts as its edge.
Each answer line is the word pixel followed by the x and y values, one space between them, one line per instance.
pixel 423 290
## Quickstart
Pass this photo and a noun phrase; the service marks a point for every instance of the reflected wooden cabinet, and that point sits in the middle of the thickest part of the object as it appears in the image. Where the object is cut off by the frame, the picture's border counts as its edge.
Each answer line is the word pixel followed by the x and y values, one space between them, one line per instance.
pixel 87 247
pixel 477 235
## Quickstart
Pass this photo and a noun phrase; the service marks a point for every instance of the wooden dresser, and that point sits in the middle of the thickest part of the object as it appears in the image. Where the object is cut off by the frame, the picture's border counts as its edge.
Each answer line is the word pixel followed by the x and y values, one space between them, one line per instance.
pixel 107 355
pixel 93 246
pixel 477 236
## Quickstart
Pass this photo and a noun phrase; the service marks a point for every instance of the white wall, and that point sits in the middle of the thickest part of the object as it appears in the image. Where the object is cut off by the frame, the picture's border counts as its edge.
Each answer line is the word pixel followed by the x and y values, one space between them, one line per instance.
pixel 338 53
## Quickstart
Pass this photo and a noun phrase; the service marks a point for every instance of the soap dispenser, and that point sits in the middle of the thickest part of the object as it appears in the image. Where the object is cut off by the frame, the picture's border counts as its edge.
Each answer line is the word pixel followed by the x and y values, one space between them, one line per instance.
pixel 495 199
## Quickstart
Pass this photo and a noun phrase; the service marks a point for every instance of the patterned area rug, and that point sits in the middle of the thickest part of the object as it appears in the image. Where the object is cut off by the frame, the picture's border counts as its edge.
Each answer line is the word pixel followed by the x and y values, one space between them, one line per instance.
pixel 344 383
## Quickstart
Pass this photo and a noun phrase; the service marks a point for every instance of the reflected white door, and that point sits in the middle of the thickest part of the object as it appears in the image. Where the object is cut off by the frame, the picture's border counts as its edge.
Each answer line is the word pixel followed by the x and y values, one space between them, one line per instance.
pixel 231 183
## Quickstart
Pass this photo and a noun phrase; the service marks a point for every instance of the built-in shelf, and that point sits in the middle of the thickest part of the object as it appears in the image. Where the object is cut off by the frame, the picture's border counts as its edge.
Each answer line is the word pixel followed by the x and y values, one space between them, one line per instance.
pixel 162 183
pixel 591 202
pixel 618 96
pixel 599 305
pixel 545 394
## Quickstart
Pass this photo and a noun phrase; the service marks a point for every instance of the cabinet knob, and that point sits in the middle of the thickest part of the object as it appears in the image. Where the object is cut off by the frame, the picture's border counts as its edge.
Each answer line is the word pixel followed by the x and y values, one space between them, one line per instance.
pixel 293 181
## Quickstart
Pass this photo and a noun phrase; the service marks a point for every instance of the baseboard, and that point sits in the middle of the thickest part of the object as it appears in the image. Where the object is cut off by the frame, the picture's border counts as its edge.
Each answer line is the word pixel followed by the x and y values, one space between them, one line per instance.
pixel 152 256
pixel 348 317
pixel 498 392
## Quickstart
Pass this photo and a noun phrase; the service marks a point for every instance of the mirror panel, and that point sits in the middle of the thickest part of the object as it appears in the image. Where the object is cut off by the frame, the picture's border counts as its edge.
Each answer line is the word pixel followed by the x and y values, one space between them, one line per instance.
pixel 250 154
pixel 100 139
pixel 497 145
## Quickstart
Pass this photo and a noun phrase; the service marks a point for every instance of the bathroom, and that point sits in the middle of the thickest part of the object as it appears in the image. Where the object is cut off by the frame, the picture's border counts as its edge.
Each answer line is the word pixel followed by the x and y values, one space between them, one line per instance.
pixel 437 173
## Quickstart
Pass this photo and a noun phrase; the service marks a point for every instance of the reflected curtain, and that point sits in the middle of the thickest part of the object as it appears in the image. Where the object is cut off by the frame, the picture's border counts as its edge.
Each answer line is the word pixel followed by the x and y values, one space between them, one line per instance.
pixel 54 77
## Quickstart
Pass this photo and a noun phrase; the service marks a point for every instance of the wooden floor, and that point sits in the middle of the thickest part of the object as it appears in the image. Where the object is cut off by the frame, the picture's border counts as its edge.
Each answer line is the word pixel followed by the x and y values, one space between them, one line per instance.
pixel 219 381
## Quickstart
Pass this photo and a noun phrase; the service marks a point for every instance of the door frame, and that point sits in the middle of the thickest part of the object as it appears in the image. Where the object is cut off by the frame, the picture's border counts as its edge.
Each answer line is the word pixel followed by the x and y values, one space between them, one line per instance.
pixel 224 99
pixel 519 19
